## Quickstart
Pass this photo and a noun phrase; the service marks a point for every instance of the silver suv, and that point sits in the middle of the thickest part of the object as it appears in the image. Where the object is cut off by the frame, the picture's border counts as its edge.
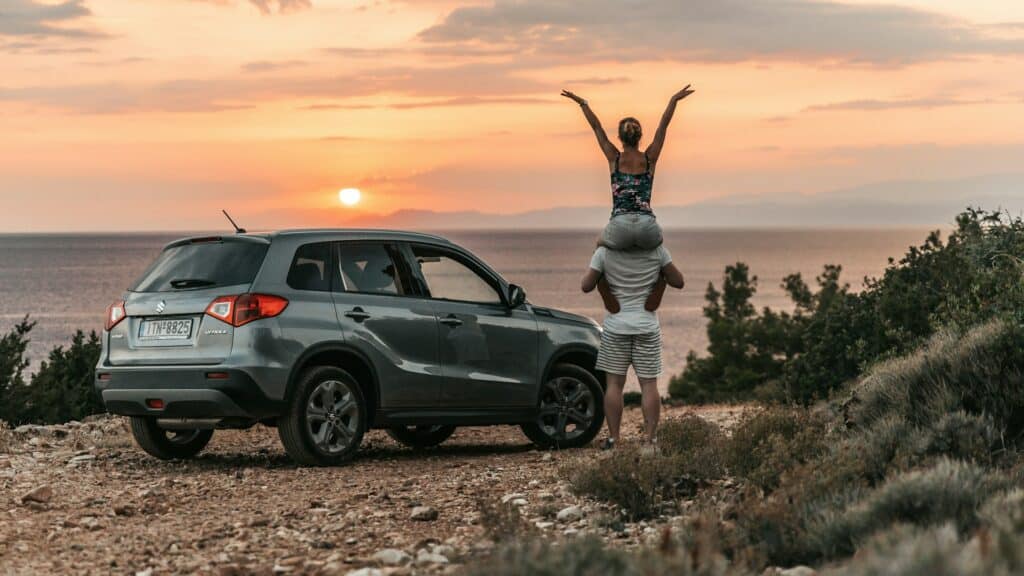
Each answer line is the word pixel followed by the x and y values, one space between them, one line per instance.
pixel 327 333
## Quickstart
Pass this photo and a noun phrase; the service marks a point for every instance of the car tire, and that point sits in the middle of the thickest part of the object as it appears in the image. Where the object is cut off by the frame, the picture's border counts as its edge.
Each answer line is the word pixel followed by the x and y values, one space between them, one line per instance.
pixel 325 419
pixel 570 395
pixel 168 444
pixel 420 437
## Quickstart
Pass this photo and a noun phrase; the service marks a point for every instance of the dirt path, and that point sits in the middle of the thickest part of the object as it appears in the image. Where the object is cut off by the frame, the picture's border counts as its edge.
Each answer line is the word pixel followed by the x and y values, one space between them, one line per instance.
pixel 243 507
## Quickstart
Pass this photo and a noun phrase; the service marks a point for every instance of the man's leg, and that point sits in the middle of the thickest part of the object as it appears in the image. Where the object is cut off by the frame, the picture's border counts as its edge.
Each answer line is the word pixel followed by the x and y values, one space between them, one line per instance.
pixel 613 403
pixel 651 407
pixel 647 363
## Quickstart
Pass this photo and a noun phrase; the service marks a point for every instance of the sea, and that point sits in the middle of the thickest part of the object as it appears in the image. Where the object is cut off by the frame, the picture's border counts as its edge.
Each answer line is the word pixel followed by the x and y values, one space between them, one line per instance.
pixel 64 282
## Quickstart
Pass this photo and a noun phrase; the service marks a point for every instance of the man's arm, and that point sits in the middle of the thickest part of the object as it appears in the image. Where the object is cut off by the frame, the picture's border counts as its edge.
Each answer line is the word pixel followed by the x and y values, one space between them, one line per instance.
pixel 590 280
pixel 595 279
pixel 670 276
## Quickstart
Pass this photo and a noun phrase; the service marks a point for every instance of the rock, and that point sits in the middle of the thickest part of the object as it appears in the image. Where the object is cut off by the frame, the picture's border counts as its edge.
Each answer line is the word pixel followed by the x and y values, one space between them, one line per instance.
pixel 40 495
pixel 569 514
pixel 799 571
pixel 518 502
pixel 570 532
pixel 546 457
pixel 545 496
pixel 510 497
pixel 424 514
pixel 365 572
pixel 81 459
pixel 544 525
pixel 424 558
pixel 392 557
pixel 444 550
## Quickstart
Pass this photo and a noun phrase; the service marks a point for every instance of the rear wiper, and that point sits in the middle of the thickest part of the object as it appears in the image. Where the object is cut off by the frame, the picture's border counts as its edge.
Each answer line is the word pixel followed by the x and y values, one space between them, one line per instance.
pixel 184 283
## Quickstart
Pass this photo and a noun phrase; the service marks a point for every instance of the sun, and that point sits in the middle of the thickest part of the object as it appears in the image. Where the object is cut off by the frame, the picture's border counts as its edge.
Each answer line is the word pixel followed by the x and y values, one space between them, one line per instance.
pixel 350 196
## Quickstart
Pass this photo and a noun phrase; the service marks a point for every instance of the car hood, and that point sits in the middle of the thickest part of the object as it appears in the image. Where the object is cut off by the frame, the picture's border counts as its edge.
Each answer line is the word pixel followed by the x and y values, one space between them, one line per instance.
pixel 562 315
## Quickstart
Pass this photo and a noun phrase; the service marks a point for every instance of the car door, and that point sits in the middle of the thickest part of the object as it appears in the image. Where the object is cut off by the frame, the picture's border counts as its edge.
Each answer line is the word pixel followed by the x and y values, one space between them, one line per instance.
pixel 383 318
pixel 488 350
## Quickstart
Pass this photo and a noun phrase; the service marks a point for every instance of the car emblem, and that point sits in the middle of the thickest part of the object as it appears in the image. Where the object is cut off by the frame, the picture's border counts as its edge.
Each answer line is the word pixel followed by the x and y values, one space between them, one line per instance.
pixel 161 307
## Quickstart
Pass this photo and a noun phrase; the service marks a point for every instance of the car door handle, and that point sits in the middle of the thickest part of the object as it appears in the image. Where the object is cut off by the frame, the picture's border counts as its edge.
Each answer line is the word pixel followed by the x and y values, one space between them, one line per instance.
pixel 357 314
pixel 451 320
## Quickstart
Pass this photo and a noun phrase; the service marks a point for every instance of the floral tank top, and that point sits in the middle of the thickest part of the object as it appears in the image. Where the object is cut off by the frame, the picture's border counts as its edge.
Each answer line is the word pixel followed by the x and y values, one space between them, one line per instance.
pixel 631 193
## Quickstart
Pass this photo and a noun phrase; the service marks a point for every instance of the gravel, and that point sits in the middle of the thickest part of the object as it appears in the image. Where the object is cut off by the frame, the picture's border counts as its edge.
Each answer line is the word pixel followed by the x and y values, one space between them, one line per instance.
pixel 243 507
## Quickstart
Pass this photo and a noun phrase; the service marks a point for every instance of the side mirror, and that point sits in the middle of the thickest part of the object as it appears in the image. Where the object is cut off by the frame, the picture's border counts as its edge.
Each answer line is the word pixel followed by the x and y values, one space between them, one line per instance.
pixel 516 296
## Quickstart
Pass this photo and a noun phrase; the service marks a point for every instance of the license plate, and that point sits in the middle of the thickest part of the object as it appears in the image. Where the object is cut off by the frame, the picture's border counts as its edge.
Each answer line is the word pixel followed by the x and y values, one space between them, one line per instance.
pixel 166 329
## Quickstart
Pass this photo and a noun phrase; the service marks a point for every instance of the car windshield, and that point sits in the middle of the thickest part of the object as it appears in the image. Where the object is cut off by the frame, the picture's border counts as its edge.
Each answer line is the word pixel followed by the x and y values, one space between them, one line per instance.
pixel 203 265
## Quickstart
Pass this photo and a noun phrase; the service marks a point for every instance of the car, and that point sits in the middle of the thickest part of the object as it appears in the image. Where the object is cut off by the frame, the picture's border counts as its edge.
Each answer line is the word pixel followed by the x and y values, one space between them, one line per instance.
pixel 326 334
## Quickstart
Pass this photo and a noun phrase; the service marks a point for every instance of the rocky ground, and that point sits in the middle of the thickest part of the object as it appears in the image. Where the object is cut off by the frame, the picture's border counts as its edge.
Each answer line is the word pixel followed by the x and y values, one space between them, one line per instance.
pixel 81 498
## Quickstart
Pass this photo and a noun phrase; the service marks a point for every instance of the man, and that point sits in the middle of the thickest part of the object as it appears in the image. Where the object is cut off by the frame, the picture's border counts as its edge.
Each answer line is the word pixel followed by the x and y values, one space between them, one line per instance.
pixel 632 285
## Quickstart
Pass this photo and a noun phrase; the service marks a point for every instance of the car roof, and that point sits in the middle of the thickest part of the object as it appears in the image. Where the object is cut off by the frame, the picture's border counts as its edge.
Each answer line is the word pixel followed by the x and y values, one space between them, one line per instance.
pixel 351 234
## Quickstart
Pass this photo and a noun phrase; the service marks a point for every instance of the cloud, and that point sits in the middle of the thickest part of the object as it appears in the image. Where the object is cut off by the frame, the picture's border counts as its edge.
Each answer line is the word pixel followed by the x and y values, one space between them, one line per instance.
pixel 272 66
pixel 283 6
pixel 724 30
pixel 473 80
pixel 871 104
pixel 28 18
pixel 268 6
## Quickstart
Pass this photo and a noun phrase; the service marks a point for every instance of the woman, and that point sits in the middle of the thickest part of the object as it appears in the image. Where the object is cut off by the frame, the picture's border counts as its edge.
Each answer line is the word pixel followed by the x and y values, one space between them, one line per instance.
pixel 632 225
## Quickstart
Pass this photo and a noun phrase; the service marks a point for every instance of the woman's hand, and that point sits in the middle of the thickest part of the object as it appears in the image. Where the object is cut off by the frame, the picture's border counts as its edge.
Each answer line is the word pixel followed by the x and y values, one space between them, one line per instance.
pixel 576 98
pixel 681 94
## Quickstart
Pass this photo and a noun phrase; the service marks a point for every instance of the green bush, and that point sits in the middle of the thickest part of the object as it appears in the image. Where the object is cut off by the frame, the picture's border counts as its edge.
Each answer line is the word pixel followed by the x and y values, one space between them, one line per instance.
pixel 832 334
pixel 60 391
pixel 769 442
pixel 949 491
pixel 696 445
pixel 589 557
pixel 980 372
pixel 635 482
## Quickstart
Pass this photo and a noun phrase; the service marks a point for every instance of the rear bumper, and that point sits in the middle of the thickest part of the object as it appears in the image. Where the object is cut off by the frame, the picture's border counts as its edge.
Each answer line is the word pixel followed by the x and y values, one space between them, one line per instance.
pixel 186 392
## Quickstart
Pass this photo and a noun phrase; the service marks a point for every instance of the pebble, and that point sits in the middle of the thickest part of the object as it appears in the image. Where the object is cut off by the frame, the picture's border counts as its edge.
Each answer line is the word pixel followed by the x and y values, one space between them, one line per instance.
pixel 40 495
pixel 364 572
pixel 569 514
pixel 424 514
pixel 392 557
pixel 799 571
pixel 424 558
pixel 510 497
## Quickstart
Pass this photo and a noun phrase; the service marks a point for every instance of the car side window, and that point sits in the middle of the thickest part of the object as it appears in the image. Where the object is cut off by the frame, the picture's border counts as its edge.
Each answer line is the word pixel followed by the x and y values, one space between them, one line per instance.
pixel 310 268
pixel 368 268
pixel 448 278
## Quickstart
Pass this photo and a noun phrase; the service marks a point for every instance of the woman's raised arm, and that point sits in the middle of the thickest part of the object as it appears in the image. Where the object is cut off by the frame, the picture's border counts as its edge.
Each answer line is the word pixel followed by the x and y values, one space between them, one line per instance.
pixel 654 150
pixel 609 149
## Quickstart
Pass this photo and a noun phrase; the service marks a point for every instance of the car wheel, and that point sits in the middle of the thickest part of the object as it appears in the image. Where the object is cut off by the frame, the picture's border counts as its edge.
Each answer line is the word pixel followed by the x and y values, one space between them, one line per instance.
pixel 421 436
pixel 168 444
pixel 325 419
pixel 570 410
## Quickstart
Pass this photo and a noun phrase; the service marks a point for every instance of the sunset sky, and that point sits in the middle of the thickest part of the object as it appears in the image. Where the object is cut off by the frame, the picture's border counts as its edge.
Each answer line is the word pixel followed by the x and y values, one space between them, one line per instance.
pixel 154 114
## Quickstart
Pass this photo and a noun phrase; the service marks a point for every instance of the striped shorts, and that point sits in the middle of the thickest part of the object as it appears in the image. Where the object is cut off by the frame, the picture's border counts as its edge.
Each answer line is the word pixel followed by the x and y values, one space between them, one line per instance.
pixel 618 351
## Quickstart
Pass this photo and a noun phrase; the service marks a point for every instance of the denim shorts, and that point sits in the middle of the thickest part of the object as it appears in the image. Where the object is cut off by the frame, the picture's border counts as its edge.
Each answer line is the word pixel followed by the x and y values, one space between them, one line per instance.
pixel 632 232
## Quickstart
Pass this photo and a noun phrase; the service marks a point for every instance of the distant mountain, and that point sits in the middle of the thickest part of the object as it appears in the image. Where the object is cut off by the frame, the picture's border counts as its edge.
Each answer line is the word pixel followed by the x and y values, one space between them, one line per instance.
pixel 906 203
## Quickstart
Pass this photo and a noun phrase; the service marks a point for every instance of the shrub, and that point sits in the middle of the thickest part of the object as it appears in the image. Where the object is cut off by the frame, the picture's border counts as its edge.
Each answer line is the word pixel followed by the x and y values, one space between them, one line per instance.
pixel 950 491
pixel 13 364
pixel 634 482
pixel 502 521
pixel 981 372
pixel 589 557
pixel 632 399
pixel 832 334
pixel 769 442
pixel 697 446
pixel 63 389
pixel 60 391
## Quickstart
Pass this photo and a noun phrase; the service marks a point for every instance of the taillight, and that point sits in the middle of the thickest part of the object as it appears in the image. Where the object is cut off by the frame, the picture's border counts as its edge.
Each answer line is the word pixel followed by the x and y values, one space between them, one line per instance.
pixel 115 313
pixel 244 308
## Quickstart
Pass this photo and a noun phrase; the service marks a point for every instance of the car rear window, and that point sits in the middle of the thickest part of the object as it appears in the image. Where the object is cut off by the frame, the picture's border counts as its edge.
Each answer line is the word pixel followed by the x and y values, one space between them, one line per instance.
pixel 205 264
